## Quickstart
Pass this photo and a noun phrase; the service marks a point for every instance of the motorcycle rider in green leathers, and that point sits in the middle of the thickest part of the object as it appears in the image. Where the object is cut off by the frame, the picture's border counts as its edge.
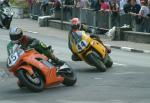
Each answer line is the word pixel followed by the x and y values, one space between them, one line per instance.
pixel 17 37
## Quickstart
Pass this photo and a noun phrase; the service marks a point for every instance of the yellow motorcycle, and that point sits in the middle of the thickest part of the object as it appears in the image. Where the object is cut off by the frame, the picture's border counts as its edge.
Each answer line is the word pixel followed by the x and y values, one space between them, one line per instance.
pixel 90 50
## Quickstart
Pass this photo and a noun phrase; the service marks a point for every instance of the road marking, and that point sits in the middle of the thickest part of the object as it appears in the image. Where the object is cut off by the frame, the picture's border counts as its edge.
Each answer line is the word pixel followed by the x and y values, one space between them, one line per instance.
pixel 69 101
pixel 124 73
pixel 117 101
pixel 146 51
pixel 119 64
pixel 96 78
pixel 10 101
pixel 30 31
pixel 126 48
pixel 107 101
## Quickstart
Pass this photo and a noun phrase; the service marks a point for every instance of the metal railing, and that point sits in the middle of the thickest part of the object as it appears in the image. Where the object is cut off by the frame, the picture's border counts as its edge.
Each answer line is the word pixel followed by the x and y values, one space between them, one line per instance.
pixel 101 19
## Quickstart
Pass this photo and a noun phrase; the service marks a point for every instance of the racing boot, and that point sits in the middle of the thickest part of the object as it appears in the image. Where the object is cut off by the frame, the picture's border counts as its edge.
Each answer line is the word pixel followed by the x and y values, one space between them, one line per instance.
pixel 57 61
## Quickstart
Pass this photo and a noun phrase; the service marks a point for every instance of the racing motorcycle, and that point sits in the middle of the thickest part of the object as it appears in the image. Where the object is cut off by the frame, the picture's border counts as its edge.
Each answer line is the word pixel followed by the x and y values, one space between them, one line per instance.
pixel 6 14
pixel 90 50
pixel 35 72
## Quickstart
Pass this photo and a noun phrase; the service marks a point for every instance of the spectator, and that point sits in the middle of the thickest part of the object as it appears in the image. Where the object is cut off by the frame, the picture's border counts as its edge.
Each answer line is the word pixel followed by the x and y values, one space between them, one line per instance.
pixel 149 7
pixel 135 8
pixel 82 4
pixel 69 2
pixel 96 6
pixel 68 9
pixel 114 8
pixel 122 3
pixel 143 20
pixel 93 4
pixel 104 5
pixel 44 7
pixel 149 16
pixel 133 11
pixel 138 2
pixel 30 4
pixel 127 6
pixel 57 5
pixel 130 5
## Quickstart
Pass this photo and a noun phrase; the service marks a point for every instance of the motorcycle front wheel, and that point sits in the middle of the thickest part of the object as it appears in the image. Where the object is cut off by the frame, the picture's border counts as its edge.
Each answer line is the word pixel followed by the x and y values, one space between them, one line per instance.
pixel 108 61
pixel 35 84
pixel 96 61
pixel 8 22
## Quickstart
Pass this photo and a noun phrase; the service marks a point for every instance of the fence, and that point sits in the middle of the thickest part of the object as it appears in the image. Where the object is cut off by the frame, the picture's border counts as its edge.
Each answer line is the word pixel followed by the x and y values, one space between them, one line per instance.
pixel 99 19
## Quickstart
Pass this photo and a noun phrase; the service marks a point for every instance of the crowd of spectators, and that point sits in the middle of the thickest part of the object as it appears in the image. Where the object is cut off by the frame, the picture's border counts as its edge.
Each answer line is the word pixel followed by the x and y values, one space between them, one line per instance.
pixel 138 9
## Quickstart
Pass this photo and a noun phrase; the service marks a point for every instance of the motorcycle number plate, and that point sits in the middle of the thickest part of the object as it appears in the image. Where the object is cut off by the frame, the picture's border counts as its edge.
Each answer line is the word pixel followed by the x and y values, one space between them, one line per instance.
pixel 12 59
pixel 82 45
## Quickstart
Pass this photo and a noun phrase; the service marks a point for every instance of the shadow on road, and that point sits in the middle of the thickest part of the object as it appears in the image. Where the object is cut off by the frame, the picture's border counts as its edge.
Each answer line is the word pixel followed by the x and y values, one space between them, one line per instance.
pixel 3 65
pixel 87 70
pixel 51 89
pixel 81 66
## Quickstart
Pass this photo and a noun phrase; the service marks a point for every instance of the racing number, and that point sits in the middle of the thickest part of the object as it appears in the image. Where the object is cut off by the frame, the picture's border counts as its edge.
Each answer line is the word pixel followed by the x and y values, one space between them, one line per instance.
pixel 81 45
pixel 12 59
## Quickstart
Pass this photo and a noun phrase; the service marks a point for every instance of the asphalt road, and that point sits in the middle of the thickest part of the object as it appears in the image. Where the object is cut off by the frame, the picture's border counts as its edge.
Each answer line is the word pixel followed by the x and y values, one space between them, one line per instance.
pixel 126 82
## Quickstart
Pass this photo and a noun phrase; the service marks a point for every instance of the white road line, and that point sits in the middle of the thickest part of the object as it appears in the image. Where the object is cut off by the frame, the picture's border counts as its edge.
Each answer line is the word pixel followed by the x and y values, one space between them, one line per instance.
pixel 107 45
pixel 69 101
pixel 119 64
pixel 124 73
pixel 96 78
pixel 30 31
pixel 146 51
pixel 107 101
pixel 126 48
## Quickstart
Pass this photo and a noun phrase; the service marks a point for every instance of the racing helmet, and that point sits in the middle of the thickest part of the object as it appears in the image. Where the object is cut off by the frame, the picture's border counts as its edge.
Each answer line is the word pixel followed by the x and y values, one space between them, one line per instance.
pixel 15 34
pixel 75 23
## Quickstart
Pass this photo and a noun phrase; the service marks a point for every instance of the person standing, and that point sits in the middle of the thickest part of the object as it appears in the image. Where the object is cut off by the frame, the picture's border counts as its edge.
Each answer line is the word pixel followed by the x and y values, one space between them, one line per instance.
pixel 104 5
pixel 121 6
pixel 144 11
pixel 134 9
pixel 114 9
pixel 44 7
pixel 68 10
pixel 82 4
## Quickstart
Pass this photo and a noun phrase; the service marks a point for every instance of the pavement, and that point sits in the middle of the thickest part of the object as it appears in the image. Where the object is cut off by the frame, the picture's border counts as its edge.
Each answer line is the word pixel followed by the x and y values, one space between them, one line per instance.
pixel 126 45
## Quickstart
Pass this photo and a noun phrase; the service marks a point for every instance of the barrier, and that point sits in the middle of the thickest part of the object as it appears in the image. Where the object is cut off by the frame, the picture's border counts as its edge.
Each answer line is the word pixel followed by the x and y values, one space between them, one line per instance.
pixel 101 19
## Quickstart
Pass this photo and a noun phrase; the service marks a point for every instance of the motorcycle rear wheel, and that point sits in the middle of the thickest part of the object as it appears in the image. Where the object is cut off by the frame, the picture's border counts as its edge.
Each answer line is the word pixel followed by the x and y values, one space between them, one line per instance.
pixel 69 76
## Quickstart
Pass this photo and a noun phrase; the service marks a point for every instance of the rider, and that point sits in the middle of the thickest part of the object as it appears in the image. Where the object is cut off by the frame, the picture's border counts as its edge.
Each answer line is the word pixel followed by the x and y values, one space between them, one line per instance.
pixel 17 37
pixel 4 2
pixel 75 26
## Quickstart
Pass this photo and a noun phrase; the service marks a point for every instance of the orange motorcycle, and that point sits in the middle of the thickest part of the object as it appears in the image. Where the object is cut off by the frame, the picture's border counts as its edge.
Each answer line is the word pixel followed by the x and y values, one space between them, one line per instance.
pixel 36 72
